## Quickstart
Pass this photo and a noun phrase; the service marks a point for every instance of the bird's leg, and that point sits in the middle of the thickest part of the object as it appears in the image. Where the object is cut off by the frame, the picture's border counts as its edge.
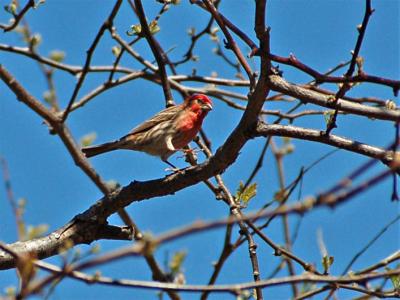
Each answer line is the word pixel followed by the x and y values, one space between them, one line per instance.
pixel 173 168
pixel 190 154
pixel 170 164
pixel 170 147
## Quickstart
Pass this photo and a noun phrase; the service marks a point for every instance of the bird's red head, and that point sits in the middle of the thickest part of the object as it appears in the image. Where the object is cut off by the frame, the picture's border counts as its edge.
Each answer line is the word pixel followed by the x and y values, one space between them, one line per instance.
pixel 199 102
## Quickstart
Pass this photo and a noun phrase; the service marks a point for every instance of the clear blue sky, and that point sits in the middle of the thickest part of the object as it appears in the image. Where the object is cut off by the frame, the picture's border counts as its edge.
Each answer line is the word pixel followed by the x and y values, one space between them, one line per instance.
pixel 320 33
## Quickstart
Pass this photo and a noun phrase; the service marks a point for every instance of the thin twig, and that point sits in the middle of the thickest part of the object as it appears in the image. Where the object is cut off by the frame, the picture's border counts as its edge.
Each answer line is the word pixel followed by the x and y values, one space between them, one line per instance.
pixel 158 53
pixel 346 86
pixel 18 17
pixel 106 25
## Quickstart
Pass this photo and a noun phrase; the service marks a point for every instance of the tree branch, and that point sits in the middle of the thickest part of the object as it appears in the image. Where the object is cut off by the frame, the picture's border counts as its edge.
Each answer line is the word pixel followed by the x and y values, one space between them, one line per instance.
pixel 278 84
pixel 157 52
pixel 106 25
pixel 318 136
pixel 18 17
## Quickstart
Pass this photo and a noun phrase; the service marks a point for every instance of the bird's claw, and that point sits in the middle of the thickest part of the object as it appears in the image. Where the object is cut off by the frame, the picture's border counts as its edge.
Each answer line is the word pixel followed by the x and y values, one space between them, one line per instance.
pixel 189 151
pixel 174 170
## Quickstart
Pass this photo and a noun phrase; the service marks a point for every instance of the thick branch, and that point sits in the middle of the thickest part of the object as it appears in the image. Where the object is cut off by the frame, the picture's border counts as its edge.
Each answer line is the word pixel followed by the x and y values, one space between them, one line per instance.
pixel 319 137
pixel 137 191
pixel 320 78
pixel 75 232
pixel 278 84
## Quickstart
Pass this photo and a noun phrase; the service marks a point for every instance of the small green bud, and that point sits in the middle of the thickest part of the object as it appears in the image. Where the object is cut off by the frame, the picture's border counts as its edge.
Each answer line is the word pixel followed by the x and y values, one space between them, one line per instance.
pixel 11 8
pixel 154 28
pixel 390 104
pixel 57 55
pixel 35 40
pixel 95 249
pixel 96 276
pixel 88 139
pixel 135 30
pixel 327 261
pixel 191 31
pixel 11 291
pixel 116 50
pixel 48 97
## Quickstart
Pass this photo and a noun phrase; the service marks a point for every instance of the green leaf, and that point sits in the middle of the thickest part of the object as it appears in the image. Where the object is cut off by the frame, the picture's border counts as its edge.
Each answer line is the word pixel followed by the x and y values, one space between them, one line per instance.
pixel 11 8
pixel 154 28
pixel 88 139
pixel 116 50
pixel 135 30
pixel 327 261
pixel 246 194
pixel 328 115
pixel 176 261
pixel 395 279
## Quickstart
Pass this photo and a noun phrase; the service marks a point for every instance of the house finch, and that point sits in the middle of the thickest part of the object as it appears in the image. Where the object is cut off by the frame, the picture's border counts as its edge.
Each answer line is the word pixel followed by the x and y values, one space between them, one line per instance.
pixel 165 133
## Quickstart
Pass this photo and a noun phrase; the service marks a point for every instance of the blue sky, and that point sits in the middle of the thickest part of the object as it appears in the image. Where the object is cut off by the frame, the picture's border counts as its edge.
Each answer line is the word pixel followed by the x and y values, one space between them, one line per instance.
pixel 320 34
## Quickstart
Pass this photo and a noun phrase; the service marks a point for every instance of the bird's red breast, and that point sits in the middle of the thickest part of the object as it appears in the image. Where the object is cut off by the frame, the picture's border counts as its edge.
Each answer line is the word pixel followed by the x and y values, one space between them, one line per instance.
pixel 189 122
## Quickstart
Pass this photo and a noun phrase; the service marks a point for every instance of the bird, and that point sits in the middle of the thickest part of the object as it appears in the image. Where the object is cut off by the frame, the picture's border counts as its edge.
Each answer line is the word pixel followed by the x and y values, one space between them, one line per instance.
pixel 168 131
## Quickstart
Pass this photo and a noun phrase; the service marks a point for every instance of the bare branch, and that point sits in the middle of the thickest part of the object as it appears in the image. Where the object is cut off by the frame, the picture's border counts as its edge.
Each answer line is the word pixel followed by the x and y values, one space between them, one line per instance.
pixel 346 86
pixel 18 17
pixel 280 85
pixel 318 136
pixel 157 52
pixel 224 288
pixel 106 25
pixel 231 44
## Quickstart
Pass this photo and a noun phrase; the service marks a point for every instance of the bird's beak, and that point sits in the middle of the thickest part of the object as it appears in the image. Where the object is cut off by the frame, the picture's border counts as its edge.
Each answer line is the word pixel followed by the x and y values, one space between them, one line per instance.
pixel 206 107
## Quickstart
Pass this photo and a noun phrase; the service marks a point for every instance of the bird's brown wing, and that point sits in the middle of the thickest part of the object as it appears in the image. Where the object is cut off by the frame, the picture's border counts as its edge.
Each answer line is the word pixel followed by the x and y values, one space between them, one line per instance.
pixel 164 115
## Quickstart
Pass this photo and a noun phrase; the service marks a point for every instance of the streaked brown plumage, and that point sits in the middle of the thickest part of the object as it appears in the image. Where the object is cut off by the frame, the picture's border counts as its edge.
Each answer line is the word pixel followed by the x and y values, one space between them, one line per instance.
pixel 165 133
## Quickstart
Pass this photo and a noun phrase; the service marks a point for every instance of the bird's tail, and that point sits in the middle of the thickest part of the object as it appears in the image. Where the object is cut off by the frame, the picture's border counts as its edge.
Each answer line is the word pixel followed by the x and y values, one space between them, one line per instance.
pixel 99 149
